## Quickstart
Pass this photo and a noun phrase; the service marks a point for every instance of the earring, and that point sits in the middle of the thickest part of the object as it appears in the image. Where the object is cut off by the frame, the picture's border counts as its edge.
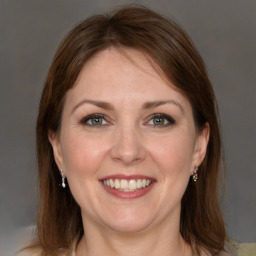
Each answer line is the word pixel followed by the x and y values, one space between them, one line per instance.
pixel 63 184
pixel 195 175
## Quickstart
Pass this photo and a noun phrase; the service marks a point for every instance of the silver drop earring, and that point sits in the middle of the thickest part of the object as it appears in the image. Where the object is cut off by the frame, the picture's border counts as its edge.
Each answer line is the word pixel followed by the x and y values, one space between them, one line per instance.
pixel 195 175
pixel 63 184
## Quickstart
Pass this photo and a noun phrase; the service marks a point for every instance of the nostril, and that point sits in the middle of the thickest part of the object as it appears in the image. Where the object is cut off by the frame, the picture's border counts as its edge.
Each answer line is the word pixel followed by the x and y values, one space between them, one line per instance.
pixel 128 148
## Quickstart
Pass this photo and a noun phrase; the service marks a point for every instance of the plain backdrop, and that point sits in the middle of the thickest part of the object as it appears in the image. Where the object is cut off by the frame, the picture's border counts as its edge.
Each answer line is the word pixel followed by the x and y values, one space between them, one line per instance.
pixel 30 31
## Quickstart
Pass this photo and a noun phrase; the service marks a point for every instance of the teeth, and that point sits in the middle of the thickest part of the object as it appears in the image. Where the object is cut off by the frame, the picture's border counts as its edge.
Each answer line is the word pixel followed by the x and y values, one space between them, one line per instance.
pixel 139 183
pixel 117 184
pixel 132 184
pixel 127 185
pixel 112 183
pixel 124 184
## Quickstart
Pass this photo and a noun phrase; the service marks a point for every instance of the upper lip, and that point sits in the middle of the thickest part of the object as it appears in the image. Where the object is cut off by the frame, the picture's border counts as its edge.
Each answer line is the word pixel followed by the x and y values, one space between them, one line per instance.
pixel 127 177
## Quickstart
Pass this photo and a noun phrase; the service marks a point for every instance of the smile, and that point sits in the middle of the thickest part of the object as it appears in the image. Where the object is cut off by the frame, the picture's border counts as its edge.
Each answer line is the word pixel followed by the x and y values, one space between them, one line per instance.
pixel 127 185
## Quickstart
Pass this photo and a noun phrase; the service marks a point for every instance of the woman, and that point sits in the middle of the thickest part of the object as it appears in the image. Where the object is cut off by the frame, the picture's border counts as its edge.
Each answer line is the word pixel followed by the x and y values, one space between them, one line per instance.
pixel 128 141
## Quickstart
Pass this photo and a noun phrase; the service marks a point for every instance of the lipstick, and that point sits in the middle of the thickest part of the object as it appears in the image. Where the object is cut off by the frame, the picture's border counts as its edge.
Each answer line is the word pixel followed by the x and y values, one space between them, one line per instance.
pixel 127 187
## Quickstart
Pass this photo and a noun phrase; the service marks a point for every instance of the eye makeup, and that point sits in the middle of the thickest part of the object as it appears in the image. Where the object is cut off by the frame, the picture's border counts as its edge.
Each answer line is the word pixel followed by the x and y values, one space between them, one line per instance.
pixel 161 120
pixel 95 120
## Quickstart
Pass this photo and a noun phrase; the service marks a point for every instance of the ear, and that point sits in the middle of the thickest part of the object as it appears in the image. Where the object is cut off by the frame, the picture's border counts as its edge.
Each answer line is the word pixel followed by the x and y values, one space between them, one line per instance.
pixel 200 148
pixel 54 139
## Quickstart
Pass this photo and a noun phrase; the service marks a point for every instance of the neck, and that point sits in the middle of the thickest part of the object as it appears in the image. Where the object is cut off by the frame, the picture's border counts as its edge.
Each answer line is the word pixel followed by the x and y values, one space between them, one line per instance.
pixel 162 240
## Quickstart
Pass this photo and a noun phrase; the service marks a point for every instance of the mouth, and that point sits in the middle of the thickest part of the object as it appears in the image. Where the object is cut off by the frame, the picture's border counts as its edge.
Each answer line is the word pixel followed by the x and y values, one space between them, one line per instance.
pixel 128 187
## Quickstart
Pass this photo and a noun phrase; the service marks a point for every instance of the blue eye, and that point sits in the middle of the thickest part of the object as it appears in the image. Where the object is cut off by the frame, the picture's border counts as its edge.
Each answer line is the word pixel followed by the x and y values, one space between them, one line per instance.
pixel 161 120
pixel 94 120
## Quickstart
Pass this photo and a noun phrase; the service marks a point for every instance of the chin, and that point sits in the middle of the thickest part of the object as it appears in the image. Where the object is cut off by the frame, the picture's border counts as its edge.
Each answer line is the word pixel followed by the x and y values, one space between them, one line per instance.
pixel 128 221
pixel 128 226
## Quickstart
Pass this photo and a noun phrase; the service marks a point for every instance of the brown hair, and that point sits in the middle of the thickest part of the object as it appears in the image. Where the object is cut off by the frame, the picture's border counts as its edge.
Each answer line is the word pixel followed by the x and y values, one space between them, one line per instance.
pixel 59 220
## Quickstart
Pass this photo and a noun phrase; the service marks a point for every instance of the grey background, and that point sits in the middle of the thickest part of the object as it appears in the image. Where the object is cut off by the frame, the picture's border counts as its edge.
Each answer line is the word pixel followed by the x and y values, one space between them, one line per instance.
pixel 30 31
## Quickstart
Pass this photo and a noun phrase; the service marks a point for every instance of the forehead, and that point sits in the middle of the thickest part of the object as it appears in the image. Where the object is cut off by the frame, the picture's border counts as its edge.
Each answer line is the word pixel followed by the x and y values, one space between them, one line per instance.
pixel 122 74
pixel 109 61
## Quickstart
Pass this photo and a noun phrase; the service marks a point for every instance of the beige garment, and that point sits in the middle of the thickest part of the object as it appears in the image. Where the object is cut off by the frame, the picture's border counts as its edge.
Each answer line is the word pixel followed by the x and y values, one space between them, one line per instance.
pixel 246 249
pixel 234 249
pixel 242 249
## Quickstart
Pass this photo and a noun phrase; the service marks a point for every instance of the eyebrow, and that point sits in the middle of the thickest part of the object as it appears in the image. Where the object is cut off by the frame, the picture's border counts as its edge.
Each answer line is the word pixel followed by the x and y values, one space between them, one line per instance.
pixel 100 104
pixel 154 104
pixel 146 105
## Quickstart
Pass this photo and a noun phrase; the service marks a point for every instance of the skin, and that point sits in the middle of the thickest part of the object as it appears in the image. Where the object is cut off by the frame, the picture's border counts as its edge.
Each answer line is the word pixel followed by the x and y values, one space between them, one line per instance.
pixel 128 141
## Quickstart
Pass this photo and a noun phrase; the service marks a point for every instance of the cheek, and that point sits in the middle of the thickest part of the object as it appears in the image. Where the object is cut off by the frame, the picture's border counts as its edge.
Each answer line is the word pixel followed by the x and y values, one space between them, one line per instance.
pixel 173 155
pixel 82 155
pixel 174 160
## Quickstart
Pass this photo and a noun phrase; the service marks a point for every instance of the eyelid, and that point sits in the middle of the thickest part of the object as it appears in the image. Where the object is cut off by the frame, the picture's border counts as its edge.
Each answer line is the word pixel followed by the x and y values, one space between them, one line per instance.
pixel 170 119
pixel 85 119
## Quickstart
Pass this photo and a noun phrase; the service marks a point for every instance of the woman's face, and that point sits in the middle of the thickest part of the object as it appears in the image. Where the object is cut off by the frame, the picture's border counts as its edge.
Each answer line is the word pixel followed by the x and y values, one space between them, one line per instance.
pixel 127 144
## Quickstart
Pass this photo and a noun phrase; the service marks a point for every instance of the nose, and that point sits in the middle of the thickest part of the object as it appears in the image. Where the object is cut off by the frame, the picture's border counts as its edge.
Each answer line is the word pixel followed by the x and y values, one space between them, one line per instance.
pixel 128 147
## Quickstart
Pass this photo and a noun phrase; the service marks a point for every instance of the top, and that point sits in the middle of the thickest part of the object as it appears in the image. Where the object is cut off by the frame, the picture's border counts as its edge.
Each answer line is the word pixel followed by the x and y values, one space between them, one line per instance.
pixel 233 249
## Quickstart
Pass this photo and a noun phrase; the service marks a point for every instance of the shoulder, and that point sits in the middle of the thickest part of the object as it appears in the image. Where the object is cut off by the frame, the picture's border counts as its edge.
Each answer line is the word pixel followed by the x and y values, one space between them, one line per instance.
pixel 30 252
pixel 21 238
pixel 245 249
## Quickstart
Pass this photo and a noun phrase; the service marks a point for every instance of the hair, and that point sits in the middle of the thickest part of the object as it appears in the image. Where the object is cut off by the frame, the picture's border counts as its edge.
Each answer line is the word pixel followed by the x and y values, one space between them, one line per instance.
pixel 170 48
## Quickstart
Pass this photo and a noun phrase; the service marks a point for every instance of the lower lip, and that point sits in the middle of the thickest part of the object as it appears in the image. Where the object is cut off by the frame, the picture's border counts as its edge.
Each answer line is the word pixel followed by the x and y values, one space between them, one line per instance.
pixel 128 195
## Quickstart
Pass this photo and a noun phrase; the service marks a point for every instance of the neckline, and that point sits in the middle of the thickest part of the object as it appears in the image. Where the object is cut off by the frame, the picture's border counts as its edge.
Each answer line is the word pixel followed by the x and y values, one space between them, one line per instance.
pixel 231 246
pixel 74 246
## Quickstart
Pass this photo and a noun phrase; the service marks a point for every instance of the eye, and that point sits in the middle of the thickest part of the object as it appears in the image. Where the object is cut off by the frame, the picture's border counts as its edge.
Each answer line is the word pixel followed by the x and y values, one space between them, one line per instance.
pixel 161 120
pixel 94 120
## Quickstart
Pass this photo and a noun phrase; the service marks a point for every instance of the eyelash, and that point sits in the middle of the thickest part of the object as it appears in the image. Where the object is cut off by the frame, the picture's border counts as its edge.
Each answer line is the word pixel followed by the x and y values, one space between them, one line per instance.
pixel 90 118
pixel 169 119
pixel 85 120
